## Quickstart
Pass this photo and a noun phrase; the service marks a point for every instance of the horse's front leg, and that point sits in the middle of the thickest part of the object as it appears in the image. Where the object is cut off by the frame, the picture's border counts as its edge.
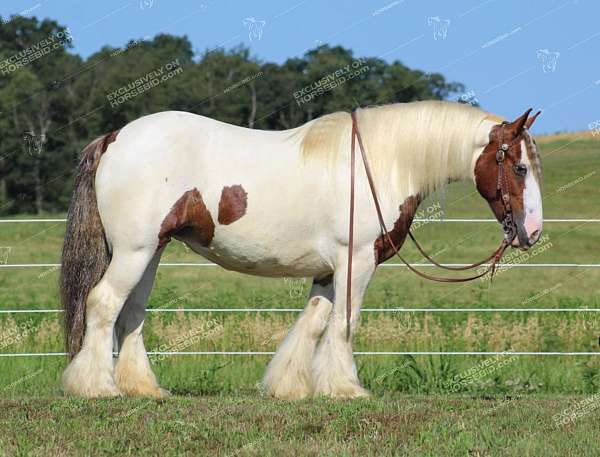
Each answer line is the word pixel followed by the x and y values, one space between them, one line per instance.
pixel 334 371
pixel 288 374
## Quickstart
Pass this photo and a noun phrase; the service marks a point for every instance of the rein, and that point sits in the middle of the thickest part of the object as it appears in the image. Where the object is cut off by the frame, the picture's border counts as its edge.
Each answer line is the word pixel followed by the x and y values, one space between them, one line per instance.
pixel 508 224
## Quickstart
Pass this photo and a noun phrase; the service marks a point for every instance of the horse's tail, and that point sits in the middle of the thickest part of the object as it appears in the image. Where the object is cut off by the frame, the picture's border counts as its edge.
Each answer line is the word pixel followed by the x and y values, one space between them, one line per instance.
pixel 85 253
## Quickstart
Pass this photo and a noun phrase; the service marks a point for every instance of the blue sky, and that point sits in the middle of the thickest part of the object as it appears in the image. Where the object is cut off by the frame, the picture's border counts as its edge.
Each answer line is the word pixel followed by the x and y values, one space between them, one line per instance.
pixel 510 54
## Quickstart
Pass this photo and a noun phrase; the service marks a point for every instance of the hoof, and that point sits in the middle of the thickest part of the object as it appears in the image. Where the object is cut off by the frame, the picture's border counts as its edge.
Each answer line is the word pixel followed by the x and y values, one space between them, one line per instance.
pixel 74 385
pixel 137 381
pixel 83 378
pixel 347 391
pixel 142 390
pixel 286 385
pixel 285 392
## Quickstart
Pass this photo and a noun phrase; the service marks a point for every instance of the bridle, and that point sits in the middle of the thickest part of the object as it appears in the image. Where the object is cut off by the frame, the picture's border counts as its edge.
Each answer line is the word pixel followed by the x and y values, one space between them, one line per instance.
pixel 508 224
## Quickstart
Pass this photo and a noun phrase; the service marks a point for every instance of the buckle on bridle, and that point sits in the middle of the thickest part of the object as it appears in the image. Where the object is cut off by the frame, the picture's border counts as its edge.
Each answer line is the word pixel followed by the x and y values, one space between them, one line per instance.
pixel 501 152
pixel 508 227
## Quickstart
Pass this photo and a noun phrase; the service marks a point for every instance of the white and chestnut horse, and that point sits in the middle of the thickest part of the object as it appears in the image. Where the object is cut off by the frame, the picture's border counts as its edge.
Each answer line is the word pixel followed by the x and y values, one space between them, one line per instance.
pixel 271 204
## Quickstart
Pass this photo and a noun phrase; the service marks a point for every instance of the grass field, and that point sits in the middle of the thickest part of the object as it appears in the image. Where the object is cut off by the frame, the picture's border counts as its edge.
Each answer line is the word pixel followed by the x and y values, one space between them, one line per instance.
pixel 416 409
pixel 243 425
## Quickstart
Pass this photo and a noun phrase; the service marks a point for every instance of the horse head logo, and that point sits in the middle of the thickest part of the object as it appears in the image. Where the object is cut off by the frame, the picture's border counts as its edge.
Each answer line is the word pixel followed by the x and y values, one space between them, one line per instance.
pixel 295 286
pixel 440 27
pixel 35 143
pixel 255 27
pixel 549 59
pixel 4 252
pixel 146 4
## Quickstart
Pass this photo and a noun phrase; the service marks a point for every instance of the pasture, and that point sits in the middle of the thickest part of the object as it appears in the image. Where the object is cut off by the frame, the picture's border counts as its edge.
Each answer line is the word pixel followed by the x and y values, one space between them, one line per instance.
pixel 417 406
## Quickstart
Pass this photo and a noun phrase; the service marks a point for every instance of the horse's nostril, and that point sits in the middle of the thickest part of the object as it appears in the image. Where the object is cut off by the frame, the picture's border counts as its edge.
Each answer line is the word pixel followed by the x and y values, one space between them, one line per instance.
pixel 534 237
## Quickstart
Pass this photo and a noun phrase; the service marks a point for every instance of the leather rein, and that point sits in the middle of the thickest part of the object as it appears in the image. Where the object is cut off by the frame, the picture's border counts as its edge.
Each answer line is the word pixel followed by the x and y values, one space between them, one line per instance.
pixel 508 224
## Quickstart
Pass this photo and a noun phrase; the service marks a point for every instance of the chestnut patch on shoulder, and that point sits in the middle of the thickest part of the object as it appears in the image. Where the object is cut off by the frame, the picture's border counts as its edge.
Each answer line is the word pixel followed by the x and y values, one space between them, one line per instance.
pixel 188 216
pixel 233 204
pixel 383 249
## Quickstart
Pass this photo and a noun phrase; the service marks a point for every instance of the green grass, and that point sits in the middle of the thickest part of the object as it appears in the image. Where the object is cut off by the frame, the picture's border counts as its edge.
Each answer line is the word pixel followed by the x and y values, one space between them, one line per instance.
pixel 216 407
pixel 247 425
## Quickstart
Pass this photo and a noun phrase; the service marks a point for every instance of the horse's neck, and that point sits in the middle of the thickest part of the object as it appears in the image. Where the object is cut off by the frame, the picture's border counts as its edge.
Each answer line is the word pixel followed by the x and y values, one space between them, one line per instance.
pixel 458 166
pixel 461 164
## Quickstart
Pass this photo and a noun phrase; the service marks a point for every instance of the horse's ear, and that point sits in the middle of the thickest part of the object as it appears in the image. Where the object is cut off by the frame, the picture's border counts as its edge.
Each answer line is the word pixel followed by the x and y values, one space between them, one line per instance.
pixel 518 124
pixel 531 120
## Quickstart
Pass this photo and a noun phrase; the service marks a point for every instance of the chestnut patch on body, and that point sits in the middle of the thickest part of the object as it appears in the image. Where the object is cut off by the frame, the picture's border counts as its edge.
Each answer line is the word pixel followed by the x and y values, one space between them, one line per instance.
pixel 188 217
pixel 383 249
pixel 233 204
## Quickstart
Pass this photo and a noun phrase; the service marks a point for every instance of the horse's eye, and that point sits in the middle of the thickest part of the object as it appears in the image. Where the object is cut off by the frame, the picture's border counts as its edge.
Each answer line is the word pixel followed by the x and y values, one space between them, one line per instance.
pixel 520 170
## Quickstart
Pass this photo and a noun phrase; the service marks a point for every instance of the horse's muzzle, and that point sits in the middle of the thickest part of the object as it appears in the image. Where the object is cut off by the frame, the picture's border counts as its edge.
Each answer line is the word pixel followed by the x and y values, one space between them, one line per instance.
pixel 523 240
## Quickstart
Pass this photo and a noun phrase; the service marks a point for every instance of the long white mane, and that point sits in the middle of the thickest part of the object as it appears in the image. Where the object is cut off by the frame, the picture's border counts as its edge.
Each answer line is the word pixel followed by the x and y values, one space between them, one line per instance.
pixel 412 147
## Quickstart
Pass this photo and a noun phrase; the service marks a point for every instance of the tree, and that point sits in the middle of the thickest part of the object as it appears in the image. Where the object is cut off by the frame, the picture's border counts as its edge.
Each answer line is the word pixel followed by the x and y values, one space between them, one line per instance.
pixel 34 100
pixel 52 105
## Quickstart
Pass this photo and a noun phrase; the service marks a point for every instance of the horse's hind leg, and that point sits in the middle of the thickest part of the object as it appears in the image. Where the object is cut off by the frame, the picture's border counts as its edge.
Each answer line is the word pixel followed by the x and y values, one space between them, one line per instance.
pixel 288 374
pixel 90 373
pixel 133 373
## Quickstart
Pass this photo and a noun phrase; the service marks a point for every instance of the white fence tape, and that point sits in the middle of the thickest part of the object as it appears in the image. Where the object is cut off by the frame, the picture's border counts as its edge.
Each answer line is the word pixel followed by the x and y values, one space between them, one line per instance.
pixel 30 221
pixel 295 310
pixel 364 310
pixel 388 353
pixel 385 265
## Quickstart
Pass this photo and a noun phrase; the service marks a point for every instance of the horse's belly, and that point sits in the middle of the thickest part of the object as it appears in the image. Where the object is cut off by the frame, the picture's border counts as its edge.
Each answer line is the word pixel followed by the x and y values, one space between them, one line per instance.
pixel 295 258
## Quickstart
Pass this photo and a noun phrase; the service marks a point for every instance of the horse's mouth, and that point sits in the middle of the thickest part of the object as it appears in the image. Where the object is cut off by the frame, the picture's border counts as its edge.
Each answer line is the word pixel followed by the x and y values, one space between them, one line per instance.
pixel 516 243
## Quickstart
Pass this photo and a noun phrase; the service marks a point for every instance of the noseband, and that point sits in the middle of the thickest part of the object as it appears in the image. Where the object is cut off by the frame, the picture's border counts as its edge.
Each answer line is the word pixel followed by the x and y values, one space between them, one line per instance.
pixel 508 224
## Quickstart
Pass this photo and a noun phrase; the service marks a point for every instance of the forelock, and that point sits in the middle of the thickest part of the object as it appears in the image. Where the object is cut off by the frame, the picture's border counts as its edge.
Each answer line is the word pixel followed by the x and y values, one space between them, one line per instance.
pixel 533 155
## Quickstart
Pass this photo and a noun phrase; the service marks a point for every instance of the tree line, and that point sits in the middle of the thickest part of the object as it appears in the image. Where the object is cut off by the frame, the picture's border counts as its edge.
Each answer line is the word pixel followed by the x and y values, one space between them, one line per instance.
pixel 53 102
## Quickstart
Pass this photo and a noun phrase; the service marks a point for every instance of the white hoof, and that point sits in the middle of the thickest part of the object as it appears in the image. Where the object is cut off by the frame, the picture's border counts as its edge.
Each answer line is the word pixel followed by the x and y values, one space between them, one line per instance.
pixel 288 374
pixel 343 391
pixel 286 389
pixel 137 380
pixel 82 378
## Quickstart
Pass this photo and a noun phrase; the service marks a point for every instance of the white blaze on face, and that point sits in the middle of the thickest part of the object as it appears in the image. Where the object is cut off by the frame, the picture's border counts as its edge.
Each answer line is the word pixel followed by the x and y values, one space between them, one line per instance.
pixel 532 199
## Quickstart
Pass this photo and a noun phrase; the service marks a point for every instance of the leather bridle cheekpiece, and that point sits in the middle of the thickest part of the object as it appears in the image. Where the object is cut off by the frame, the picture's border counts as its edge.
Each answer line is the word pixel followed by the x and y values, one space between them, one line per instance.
pixel 508 223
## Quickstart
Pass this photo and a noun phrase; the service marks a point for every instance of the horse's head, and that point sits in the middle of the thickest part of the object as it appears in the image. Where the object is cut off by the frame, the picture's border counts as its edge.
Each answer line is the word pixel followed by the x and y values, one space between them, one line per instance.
pixel 508 176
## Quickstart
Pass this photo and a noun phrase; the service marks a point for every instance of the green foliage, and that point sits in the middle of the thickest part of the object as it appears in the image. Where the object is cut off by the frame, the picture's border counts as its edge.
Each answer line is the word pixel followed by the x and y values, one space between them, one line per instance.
pixel 52 106
pixel 429 375
pixel 590 375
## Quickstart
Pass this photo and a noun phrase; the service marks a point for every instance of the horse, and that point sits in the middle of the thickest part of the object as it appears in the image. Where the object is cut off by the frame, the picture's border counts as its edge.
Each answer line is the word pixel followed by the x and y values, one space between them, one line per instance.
pixel 273 204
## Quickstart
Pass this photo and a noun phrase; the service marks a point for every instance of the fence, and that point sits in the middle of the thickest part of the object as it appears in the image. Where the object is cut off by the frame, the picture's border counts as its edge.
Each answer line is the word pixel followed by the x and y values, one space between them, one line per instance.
pixel 294 310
